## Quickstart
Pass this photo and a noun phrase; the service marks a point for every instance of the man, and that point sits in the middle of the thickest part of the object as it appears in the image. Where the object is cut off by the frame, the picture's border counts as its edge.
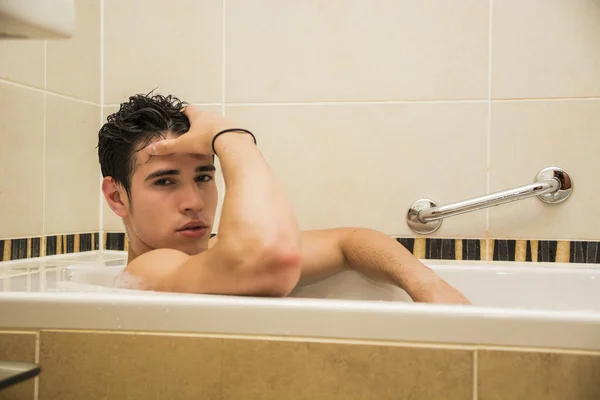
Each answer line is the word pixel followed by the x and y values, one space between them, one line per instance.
pixel 156 156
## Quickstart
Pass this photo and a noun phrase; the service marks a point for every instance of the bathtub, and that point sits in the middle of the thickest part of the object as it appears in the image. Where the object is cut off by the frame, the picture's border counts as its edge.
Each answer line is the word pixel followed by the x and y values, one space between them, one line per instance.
pixel 543 305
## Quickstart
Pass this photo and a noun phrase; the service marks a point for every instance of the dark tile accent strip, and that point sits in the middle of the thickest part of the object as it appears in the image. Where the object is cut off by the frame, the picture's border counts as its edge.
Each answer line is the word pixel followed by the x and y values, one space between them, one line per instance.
pixel 1 250
pixel 547 250
pixel 584 252
pixel 35 247
pixel 448 249
pixel 50 245
pixel 498 253
pixel 471 249
pixel 528 256
pixel 512 250
pixel 592 253
pixel 85 242
pixel 18 249
pixel 70 244
pixel 408 243
pixel 433 249
pixel 115 241
pixel 63 244
pixel 96 241
pixel 504 250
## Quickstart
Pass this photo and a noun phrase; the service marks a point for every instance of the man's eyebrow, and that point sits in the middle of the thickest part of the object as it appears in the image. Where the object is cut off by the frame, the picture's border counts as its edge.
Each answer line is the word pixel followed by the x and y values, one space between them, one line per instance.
pixel 161 172
pixel 206 168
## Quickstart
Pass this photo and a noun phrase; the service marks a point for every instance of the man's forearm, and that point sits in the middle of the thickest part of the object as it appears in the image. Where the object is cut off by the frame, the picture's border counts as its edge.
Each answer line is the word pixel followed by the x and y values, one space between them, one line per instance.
pixel 382 258
pixel 256 212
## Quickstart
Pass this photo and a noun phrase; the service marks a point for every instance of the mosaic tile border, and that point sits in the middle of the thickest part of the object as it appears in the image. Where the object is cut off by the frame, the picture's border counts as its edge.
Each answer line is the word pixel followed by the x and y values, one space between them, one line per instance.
pixel 563 251
pixel 31 247
pixel 471 249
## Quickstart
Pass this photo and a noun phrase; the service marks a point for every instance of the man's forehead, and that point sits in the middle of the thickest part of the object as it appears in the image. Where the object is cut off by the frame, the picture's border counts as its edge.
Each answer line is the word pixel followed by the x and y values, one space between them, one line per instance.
pixel 185 158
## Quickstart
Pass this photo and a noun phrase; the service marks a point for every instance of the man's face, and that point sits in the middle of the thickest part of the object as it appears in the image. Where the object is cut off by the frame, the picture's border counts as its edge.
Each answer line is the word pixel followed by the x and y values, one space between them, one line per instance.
pixel 173 202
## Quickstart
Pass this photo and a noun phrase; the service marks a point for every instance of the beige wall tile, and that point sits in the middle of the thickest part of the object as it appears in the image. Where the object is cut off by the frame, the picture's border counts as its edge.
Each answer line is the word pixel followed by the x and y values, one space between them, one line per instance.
pixel 264 370
pixel 128 366
pixel 529 136
pixel 21 152
pixel 110 221
pixel 74 64
pixel 175 47
pixel 19 347
pixel 356 50
pixel 22 61
pixel 546 49
pixel 363 165
pixel 538 376
pixel 72 182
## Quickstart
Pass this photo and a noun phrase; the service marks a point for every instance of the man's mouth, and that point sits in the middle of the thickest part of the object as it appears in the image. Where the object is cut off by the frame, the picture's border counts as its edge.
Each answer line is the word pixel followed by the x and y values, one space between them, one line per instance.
pixel 192 225
pixel 193 229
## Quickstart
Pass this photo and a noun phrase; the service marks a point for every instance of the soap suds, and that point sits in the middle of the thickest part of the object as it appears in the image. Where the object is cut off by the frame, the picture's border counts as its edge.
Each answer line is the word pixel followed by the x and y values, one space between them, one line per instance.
pixel 125 280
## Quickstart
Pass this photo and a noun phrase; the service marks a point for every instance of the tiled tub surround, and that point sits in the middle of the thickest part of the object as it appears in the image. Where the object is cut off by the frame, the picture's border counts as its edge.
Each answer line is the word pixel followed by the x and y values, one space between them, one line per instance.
pixel 93 365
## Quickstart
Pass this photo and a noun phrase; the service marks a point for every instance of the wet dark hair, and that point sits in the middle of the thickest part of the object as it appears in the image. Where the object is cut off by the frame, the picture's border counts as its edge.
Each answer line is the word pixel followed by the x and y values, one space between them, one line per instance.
pixel 140 120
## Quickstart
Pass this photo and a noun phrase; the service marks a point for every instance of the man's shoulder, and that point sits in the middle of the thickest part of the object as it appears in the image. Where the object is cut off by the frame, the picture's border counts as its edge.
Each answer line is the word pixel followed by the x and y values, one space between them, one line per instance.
pixel 151 270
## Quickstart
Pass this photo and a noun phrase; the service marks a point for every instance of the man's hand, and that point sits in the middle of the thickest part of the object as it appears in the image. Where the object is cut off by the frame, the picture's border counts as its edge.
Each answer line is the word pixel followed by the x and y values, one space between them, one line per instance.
pixel 425 286
pixel 198 140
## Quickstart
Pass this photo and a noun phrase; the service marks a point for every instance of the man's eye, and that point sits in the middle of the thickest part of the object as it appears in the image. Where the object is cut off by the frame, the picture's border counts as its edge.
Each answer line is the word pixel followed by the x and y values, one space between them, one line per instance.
pixel 163 182
pixel 204 178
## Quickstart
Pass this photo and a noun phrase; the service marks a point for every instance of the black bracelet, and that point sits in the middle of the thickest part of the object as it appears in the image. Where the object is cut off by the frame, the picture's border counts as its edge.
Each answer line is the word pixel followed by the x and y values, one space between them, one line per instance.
pixel 231 130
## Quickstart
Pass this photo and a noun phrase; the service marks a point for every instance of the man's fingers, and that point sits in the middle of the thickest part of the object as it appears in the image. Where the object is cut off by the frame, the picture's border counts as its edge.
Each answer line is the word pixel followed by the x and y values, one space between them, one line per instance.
pixel 191 111
pixel 164 147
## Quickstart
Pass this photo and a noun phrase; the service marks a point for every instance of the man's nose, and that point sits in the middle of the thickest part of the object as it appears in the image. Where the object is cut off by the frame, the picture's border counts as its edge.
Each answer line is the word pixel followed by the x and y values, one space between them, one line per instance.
pixel 191 198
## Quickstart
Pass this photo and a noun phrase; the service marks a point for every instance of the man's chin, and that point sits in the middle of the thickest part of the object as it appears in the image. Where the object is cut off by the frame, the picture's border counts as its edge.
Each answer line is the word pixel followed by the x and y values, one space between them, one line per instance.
pixel 192 250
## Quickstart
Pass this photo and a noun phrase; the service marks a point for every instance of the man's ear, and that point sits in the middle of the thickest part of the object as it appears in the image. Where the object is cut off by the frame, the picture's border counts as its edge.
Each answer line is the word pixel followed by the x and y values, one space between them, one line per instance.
pixel 115 196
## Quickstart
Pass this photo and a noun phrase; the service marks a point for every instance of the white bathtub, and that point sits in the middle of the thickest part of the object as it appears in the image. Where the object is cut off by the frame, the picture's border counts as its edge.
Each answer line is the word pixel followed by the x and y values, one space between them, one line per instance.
pixel 549 306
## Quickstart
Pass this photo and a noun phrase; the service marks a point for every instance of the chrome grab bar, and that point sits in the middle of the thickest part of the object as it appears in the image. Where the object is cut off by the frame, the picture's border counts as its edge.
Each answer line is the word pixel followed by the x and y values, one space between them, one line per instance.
pixel 551 185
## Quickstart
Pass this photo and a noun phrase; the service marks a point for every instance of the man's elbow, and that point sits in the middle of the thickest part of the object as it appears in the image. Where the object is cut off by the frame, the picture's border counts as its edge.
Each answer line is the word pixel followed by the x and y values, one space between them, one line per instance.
pixel 280 270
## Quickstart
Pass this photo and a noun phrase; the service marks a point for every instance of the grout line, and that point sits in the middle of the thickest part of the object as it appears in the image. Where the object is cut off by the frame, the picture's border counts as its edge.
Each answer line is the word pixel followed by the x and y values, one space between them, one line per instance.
pixel 47 91
pixel 208 104
pixel 358 102
pixel 101 197
pixel 196 104
pixel 36 381
pixel 45 65
pixel 341 103
pixel 223 59
pixel 521 349
pixel 489 121
pixel 44 145
pixel 475 375
pixel 62 96
pixel 545 99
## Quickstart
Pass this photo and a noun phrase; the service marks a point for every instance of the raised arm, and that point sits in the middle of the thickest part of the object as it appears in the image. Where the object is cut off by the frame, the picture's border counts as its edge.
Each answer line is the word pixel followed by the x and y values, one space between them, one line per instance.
pixel 258 252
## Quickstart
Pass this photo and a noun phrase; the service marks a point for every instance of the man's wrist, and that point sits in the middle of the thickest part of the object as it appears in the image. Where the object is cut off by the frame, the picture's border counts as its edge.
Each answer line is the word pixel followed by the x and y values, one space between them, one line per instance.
pixel 225 140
